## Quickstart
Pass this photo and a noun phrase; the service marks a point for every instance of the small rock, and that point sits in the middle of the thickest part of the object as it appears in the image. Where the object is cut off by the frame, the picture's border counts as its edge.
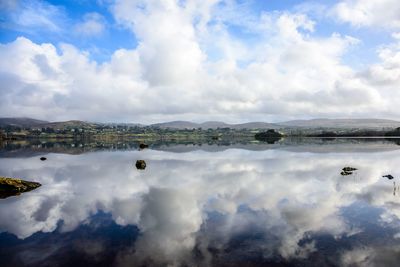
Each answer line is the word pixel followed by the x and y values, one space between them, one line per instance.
pixel 140 164
pixel 390 177
pixel 343 173
pixel 13 187
pixel 143 146
pixel 349 169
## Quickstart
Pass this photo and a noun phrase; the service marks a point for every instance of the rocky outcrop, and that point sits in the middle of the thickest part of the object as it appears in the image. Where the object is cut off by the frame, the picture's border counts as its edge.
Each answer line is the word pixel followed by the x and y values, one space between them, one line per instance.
pixel 140 164
pixel 143 146
pixel 13 187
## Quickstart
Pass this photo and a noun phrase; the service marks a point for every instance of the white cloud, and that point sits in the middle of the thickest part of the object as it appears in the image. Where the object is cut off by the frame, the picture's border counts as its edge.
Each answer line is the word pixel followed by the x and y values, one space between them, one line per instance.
pixel 189 65
pixel 168 48
pixel 93 24
pixel 372 256
pixel 385 76
pixel 32 16
pixel 377 13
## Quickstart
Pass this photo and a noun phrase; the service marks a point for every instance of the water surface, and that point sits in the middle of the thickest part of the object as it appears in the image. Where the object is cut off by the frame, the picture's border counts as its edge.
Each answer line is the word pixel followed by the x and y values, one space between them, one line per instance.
pixel 282 204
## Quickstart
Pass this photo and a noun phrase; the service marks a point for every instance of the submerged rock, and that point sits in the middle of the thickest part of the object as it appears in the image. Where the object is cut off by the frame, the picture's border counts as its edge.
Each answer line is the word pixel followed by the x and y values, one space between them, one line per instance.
pixel 347 171
pixel 140 164
pixel 13 187
pixel 143 146
pixel 43 158
pixel 389 176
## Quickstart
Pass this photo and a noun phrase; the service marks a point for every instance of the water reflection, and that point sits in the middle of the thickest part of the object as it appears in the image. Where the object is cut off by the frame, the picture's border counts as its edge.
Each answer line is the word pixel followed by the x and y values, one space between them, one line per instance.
pixel 30 148
pixel 279 207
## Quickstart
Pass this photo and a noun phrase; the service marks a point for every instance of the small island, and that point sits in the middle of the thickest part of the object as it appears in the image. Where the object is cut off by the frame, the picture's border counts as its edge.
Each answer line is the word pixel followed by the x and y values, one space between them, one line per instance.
pixel 270 136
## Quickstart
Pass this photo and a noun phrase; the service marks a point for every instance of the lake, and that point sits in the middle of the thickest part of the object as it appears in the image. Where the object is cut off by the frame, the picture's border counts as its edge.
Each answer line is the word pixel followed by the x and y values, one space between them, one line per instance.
pixel 240 204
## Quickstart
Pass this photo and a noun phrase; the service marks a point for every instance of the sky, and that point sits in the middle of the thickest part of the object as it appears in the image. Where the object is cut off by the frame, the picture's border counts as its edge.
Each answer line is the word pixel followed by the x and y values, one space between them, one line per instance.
pixel 199 60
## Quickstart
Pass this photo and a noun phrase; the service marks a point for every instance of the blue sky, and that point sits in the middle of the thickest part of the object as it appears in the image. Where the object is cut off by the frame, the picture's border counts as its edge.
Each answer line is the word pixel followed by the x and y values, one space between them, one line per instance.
pixel 67 14
pixel 206 50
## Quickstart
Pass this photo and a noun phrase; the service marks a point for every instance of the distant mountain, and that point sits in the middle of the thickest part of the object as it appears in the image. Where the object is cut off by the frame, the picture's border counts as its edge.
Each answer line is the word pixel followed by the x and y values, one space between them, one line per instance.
pixel 128 124
pixel 314 123
pixel 256 125
pixel 176 125
pixel 21 122
pixel 214 125
pixel 342 123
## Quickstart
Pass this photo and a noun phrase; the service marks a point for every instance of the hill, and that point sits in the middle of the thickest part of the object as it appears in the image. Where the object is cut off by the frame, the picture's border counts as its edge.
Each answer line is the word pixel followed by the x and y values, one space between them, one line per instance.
pixel 374 124
pixel 214 125
pixel 343 123
pixel 176 125
pixel 33 123
pixel 21 122
pixel 67 124
pixel 314 123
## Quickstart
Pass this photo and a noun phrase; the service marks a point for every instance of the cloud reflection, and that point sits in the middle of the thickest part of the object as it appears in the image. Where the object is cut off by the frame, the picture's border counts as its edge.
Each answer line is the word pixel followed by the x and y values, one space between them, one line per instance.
pixel 286 197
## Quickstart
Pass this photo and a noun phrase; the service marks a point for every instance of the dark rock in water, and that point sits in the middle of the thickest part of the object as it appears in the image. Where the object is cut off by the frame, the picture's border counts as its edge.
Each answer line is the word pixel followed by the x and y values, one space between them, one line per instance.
pixel 348 171
pixel 389 176
pixel 14 187
pixel 343 173
pixel 140 164
pixel 143 146
pixel 270 136
pixel 43 158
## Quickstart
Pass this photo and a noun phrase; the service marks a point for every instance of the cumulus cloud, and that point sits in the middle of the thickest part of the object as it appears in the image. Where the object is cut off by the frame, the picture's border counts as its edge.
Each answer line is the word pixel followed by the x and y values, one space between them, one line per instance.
pixel 361 13
pixel 189 64
pixel 372 256
pixel 93 24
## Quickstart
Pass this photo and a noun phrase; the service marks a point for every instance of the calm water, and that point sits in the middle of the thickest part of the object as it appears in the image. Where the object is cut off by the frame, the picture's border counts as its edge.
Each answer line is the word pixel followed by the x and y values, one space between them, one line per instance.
pixel 282 204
